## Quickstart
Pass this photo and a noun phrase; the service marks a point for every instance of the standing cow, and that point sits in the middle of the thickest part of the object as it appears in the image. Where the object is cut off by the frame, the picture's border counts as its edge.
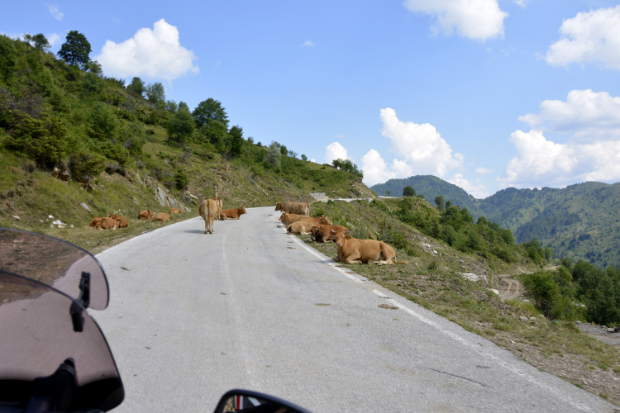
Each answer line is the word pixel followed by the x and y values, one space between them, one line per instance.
pixel 208 210
pixel 301 208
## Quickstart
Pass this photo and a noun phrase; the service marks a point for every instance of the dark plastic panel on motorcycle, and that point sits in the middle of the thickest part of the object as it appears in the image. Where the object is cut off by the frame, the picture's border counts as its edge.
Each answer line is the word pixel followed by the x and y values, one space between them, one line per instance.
pixel 53 262
pixel 37 336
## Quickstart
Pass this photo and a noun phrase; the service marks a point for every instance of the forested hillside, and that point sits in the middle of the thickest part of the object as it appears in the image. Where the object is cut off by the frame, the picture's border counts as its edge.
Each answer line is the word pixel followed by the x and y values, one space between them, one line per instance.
pixel 581 221
pixel 70 136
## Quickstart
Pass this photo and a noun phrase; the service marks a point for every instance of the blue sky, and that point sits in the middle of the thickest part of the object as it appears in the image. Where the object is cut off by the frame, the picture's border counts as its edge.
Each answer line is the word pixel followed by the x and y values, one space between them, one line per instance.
pixel 485 94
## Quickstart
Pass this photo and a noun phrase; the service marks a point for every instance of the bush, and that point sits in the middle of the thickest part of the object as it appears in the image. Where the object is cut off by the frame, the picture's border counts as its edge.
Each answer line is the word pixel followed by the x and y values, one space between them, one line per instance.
pixel 43 140
pixel 84 166
pixel 181 179
pixel 114 151
pixel 102 121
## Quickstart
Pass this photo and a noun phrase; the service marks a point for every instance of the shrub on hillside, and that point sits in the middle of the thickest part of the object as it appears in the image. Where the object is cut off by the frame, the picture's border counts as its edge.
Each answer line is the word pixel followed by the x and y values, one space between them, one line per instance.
pixel 43 140
pixel 181 179
pixel 84 166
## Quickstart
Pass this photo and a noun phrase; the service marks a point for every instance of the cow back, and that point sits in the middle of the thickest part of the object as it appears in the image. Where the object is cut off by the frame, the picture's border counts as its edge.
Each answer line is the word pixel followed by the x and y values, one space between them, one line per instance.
pixel 122 221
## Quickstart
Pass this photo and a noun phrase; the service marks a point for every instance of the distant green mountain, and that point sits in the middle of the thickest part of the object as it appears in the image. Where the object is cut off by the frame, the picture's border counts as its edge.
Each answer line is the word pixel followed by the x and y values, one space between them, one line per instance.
pixel 580 221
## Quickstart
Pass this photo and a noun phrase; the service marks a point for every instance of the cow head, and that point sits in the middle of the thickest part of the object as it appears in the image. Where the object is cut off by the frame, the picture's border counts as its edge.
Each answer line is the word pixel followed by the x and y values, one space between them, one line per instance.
pixel 283 217
pixel 278 206
pixel 242 211
pixel 315 232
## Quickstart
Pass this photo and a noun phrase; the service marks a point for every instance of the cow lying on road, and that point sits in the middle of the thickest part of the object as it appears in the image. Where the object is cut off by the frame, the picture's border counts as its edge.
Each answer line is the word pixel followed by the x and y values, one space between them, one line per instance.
pixel 233 213
pixel 356 251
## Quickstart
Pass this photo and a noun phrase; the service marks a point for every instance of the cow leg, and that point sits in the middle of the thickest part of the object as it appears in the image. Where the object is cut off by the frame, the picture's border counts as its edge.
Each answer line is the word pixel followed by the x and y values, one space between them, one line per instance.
pixel 353 259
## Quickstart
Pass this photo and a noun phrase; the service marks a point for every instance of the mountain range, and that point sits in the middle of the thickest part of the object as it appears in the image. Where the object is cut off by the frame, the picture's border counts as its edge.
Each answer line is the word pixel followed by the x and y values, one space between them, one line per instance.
pixel 581 221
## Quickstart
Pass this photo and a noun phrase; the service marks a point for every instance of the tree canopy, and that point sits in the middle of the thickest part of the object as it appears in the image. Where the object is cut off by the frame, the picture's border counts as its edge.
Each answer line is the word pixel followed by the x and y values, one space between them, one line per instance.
pixel 76 49
pixel 210 110
pixel 136 87
pixel 408 191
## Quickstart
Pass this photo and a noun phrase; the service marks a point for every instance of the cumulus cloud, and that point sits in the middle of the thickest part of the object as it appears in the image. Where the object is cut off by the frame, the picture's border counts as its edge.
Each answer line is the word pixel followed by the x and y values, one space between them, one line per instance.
pixel 476 189
pixel 592 36
pixel 541 162
pixel 153 53
pixel 55 11
pixel 587 114
pixel 421 149
pixel 476 19
pixel 308 43
pixel 335 151
pixel 483 171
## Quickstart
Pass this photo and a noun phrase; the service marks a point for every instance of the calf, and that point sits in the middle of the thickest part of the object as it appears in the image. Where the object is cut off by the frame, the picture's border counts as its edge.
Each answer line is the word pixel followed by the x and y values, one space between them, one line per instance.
pixel 323 233
pixel 146 214
pixel 356 251
pixel 122 221
pixel 233 213
pixel 161 217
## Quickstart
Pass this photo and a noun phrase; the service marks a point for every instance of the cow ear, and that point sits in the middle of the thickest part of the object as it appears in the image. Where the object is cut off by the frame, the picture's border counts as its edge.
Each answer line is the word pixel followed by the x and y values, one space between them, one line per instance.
pixel 348 236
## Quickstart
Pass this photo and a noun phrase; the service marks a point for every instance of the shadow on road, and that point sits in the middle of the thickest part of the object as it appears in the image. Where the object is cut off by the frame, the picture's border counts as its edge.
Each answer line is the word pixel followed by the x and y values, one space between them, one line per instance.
pixel 194 231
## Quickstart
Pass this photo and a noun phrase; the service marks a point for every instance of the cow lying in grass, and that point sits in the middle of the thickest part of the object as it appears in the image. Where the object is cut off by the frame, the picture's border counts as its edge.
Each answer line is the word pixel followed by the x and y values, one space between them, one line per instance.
pixel 146 214
pixel 288 219
pixel 232 213
pixel 161 217
pixel 323 233
pixel 304 226
pixel 104 223
pixel 357 251
pixel 122 221
pixel 175 211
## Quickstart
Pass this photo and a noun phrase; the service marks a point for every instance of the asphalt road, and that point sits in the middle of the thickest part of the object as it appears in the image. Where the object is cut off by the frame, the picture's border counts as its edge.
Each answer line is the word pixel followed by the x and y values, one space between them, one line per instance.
pixel 192 316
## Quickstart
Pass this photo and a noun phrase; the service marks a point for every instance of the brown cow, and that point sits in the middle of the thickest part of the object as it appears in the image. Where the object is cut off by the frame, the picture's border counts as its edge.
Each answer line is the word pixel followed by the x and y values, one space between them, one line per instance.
pixel 209 209
pixel 104 223
pixel 173 211
pixel 161 217
pixel 146 214
pixel 233 213
pixel 323 233
pixel 304 226
pixel 301 208
pixel 122 221
pixel 356 251
pixel 287 219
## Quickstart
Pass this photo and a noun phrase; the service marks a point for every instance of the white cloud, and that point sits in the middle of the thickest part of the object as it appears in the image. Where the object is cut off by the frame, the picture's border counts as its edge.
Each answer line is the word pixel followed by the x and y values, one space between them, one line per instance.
pixel 421 150
pixel 522 3
pixel 153 53
pixel 541 162
pixel 55 11
pixel 592 36
pixel 308 43
pixel 335 151
pixel 484 171
pixel 589 115
pixel 313 160
pixel 476 19
pixel 53 38
pixel 476 189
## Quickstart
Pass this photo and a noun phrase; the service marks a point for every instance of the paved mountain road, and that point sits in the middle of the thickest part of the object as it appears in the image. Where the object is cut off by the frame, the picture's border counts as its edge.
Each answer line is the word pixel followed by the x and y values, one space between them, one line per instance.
pixel 194 315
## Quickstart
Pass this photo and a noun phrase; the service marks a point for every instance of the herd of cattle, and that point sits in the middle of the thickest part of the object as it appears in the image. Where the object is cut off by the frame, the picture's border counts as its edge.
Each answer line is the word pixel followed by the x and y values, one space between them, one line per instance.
pixel 296 216
pixel 118 221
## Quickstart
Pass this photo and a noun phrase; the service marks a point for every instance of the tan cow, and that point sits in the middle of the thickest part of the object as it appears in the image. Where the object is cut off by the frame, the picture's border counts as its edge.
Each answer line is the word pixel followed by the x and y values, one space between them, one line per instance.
pixel 304 226
pixel 122 221
pixel 233 213
pixel 146 214
pixel 323 233
pixel 161 217
pixel 357 251
pixel 175 211
pixel 301 208
pixel 96 222
pixel 104 223
pixel 208 210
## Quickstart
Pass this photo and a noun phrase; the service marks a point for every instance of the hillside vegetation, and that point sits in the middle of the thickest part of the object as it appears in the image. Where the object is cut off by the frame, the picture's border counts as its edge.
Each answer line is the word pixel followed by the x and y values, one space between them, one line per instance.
pixel 581 222
pixel 69 135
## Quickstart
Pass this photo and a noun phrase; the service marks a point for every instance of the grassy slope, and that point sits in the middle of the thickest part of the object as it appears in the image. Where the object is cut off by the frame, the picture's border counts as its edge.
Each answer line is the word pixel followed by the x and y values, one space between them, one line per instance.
pixel 434 281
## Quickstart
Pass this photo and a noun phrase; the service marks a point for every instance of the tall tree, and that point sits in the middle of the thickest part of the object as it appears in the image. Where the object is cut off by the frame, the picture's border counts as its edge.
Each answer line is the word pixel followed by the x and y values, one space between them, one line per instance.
pixel 136 87
pixel 273 155
pixel 210 110
pixel 76 49
pixel 408 191
pixel 215 132
pixel 38 41
pixel 236 141
pixel 440 203
pixel 156 94
pixel 181 126
pixel 8 57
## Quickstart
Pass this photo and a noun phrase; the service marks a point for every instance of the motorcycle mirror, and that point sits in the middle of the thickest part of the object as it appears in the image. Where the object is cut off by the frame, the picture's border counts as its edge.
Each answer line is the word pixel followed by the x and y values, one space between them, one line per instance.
pixel 247 401
pixel 54 262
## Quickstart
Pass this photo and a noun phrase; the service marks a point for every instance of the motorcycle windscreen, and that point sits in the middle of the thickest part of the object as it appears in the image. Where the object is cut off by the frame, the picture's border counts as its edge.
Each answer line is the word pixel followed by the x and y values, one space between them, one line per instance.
pixel 37 335
pixel 54 262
